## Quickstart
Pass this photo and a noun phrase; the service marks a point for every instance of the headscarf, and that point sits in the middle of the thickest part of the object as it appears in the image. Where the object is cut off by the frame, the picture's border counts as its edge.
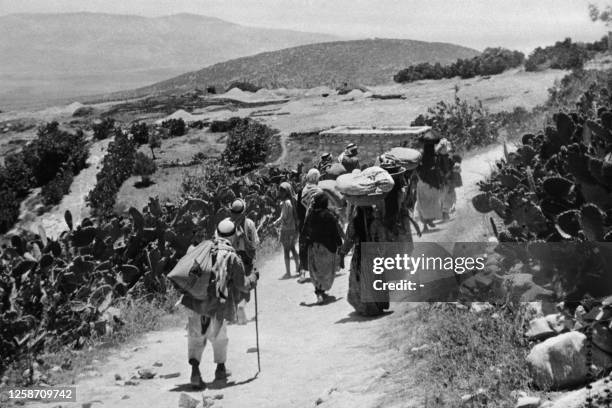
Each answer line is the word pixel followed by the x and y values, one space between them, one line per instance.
pixel 312 177
pixel 444 146
pixel 429 171
pixel 311 188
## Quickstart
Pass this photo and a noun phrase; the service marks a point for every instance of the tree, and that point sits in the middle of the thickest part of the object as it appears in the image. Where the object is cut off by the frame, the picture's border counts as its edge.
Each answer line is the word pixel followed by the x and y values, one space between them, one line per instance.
pixel 176 127
pixel 154 142
pixel 601 14
pixel 140 133
pixel 247 145
pixel 103 128
pixel 144 166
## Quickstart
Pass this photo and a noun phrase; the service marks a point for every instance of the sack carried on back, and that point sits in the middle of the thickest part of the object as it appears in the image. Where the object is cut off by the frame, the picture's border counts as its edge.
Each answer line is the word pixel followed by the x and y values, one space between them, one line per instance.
pixel 202 272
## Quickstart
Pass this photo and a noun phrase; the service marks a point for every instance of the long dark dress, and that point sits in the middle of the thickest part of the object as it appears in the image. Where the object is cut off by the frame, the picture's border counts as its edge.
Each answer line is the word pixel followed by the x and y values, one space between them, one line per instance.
pixel 302 246
pixel 359 285
pixel 323 238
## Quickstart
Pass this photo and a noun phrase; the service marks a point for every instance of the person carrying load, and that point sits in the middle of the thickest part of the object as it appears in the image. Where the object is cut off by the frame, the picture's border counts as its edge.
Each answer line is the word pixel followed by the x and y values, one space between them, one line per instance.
pixel 325 162
pixel 349 158
pixel 305 199
pixel 430 186
pixel 213 281
pixel 246 244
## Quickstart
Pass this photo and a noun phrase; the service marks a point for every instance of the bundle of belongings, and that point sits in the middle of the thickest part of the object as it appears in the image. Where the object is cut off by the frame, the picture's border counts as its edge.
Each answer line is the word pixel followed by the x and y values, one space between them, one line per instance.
pixel 202 273
pixel 332 172
pixel 405 157
pixel 367 187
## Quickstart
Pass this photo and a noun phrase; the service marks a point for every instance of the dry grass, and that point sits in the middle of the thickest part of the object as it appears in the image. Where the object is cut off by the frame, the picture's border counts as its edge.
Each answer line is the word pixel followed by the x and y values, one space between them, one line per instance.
pixel 465 351
pixel 139 315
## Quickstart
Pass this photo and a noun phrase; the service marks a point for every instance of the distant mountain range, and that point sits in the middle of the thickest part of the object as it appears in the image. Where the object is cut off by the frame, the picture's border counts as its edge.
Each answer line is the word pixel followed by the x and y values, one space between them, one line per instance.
pixel 83 53
pixel 359 62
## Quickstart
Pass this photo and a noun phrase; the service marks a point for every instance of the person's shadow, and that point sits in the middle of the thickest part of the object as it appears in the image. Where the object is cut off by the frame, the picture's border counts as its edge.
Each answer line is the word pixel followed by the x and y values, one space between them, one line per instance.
pixel 215 385
pixel 328 300
pixel 355 317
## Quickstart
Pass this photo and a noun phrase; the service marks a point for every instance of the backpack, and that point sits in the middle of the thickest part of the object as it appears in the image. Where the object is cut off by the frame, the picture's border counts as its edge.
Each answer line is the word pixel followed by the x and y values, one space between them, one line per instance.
pixel 202 272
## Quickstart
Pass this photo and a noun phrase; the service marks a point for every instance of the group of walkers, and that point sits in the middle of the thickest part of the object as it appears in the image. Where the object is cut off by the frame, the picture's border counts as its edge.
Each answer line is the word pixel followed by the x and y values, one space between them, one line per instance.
pixel 223 273
pixel 325 235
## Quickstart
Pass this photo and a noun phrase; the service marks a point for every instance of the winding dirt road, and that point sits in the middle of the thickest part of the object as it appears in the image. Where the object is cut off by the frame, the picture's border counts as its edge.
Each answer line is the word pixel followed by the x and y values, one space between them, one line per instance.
pixel 308 352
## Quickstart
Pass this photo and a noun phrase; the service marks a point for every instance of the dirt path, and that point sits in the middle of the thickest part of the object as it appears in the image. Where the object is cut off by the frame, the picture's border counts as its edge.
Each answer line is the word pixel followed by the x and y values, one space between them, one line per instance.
pixel 53 220
pixel 283 143
pixel 307 352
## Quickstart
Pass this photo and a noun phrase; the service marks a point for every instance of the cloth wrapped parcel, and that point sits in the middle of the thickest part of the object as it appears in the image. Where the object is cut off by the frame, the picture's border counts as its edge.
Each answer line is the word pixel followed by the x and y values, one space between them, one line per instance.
pixel 373 180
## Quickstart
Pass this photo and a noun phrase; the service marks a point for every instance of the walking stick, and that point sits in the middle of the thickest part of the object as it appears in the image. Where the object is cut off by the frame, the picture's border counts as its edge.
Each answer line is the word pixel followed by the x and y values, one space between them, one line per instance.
pixel 257 333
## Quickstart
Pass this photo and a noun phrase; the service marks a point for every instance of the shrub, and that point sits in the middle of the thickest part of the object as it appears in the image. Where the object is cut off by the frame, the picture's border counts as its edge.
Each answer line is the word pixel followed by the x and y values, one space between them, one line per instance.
pixel 176 127
pixel 117 167
pixel 53 192
pixel 140 133
pixel 103 128
pixel 38 164
pixel 52 150
pixel 18 174
pixel 579 89
pixel 492 61
pixel 244 86
pixel 248 145
pixel 465 125
pixel 563 55
pixel 9 202
pixel 144 166
pixel 217 126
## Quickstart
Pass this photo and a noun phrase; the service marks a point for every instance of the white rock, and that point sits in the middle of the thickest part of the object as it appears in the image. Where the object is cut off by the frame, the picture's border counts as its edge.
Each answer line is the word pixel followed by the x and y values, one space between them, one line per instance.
pixel 528 402
pixel 539 329
pixel 560 361
pixel 478 307
pixel 559 322
pixel 577 398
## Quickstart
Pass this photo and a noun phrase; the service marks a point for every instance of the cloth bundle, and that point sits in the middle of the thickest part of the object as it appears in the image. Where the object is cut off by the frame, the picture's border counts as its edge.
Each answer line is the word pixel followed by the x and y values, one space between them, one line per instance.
pixel 372 180
pixel 334 171
pixel 405 157
pixel 195 271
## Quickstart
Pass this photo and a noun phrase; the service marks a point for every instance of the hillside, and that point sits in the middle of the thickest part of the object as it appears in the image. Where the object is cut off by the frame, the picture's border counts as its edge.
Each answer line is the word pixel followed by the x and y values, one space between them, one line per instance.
pixel 364 62
pixel 83 53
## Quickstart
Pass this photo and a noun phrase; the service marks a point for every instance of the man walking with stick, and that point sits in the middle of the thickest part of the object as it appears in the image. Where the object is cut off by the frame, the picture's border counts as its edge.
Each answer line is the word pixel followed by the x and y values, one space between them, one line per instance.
pixel 212 277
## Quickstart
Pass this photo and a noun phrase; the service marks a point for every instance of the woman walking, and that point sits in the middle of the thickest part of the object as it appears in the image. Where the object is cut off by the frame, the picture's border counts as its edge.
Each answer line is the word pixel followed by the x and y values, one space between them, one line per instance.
pixel 429 187
pixel 323 239
pixel 445 164
pixel 365 226
pixel 288 222
pixel 304 201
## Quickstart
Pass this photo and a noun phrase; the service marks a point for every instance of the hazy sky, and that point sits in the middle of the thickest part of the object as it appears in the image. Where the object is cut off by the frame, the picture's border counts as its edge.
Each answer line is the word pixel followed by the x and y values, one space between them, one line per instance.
pixel 520 24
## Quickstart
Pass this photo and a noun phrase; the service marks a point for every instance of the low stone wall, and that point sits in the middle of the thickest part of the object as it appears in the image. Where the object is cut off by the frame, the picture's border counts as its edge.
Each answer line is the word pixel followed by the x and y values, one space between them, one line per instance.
pixel 313 144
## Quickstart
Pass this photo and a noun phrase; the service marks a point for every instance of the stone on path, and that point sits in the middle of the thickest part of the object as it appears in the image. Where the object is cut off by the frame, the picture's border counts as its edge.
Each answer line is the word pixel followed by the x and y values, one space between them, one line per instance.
pixel 560 361
pixel 186 401
pixel 528 402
